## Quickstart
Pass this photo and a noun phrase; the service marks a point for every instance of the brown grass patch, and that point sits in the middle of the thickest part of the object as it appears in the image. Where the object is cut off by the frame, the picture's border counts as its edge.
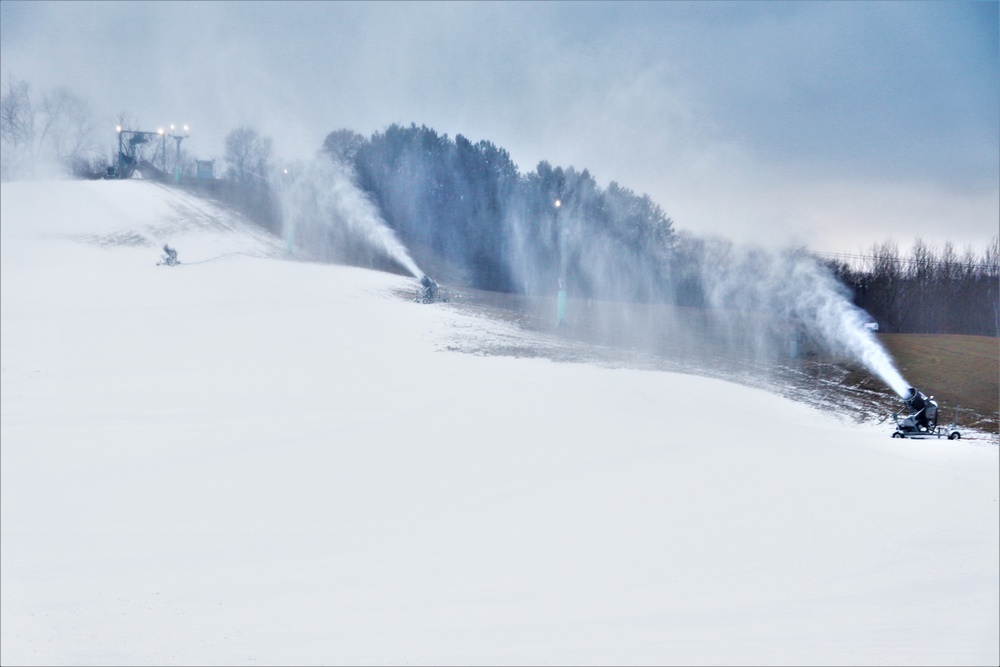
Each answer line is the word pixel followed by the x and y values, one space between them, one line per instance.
pixel 960 371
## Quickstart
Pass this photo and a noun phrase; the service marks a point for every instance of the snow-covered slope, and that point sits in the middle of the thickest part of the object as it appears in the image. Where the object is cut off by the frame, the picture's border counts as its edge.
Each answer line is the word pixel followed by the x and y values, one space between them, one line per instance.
pixel 254 460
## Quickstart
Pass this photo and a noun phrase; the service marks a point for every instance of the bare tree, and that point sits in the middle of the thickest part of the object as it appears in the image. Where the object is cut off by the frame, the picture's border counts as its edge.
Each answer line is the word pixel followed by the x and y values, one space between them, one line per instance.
pixel 949 291
pixel 186 163
pixel 343 145
pixel 918 295
pixel 68 128
pixel 886 279
pixel 58 130
pixel 16 127
pixel 935 292
pixel 126 121
pixel 991 271
pixel 248 156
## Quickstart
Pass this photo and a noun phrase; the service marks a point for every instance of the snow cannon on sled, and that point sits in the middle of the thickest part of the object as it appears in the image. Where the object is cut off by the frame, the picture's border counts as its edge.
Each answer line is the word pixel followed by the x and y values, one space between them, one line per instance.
pixel 169 257
pixel 922 420
pixel 429 292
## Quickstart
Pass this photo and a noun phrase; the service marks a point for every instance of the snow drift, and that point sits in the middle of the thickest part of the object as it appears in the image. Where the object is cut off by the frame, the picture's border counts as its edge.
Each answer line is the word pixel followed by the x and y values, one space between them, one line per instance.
pixel 255 460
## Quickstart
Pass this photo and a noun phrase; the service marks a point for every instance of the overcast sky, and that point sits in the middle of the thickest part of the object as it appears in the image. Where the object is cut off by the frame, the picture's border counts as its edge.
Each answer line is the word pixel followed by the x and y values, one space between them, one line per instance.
pixel 835 124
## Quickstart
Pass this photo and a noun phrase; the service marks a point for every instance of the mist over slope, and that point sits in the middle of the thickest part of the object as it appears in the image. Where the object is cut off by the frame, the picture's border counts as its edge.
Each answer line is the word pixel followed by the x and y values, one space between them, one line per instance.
pixel 140 214
pixel 250 459
pixel 466 206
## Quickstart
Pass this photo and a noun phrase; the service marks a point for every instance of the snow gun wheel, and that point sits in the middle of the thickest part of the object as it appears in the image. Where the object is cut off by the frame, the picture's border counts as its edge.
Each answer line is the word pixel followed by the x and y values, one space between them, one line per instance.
pixel 955 435
pixel 897 434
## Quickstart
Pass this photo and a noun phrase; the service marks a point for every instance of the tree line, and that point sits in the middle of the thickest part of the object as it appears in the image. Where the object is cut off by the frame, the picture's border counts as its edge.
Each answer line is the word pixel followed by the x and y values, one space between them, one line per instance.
pixel 468 205
pixel 44 132
pixel 929 290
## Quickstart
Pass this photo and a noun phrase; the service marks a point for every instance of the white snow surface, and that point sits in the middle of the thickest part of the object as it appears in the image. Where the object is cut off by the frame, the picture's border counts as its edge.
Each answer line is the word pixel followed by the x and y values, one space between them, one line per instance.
pixel 255 460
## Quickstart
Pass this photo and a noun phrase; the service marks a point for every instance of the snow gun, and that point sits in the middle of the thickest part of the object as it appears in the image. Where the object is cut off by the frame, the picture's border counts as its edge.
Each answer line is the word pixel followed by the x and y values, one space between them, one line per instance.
pixel 922 420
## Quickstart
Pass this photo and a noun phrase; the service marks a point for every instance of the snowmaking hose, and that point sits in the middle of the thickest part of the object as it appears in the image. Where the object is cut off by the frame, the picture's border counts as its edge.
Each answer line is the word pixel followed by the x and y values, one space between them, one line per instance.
pixel 206 261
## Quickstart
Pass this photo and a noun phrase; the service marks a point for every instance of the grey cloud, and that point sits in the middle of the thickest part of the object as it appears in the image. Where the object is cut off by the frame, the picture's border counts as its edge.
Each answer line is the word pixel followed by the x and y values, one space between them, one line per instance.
pixel 694 103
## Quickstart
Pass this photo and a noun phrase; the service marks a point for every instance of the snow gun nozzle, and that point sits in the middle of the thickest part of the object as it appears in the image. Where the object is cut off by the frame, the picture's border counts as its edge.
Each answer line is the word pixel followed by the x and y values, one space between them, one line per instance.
pixel 914 399
pixel 429 291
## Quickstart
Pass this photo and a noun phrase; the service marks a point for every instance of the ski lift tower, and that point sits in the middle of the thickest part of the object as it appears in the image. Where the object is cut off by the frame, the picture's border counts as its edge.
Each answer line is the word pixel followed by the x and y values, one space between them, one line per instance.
pixel 128 143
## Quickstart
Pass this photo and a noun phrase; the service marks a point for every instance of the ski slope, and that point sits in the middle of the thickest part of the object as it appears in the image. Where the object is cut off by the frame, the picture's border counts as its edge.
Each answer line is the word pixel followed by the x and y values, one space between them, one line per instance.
pixel 251 460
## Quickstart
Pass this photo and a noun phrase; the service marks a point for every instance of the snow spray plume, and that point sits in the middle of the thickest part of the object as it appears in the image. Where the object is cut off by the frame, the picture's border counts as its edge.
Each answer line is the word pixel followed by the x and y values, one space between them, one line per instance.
pixel 327 215
pixel 695 300
pixel 759 294
pixel 614 284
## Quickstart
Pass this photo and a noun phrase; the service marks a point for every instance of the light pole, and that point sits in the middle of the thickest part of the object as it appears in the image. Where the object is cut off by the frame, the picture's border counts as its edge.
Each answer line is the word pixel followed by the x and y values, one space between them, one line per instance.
pixel 178 138
pixel 163 149
pixel 119 163
pixel 561 297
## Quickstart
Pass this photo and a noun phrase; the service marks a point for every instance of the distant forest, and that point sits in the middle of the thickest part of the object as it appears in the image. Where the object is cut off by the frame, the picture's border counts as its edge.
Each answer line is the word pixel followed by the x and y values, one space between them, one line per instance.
pixel 470 217
pixel 467 205
pixel 928 290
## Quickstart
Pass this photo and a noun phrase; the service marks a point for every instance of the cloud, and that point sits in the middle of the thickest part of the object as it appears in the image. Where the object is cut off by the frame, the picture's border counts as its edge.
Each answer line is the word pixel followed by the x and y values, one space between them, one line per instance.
pixel 730 115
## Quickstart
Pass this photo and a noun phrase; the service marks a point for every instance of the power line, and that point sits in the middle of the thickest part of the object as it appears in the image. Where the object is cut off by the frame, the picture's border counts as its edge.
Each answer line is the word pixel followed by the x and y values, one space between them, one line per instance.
pixel 904 260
